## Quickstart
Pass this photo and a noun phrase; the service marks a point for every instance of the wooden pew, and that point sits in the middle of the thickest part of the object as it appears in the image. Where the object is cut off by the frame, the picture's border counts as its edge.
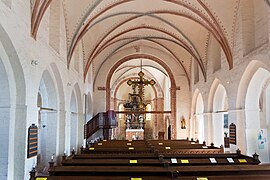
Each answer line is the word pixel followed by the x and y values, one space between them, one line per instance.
pixel 161 160
pixel 176 171
pixel 155 161
pixel 239 177
pixel 140 146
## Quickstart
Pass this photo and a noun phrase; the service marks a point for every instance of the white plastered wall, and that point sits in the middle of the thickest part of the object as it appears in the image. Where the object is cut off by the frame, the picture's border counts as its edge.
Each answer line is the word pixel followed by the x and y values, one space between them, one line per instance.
pixel 12 109
pixel 236 80
pixel 255 122
pixel 15 22
pixel 218 115
pixel 199 124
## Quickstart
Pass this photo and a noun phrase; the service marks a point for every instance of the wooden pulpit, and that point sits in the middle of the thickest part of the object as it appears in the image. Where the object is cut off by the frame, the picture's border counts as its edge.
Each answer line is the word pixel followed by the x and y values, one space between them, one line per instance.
pixel 161 135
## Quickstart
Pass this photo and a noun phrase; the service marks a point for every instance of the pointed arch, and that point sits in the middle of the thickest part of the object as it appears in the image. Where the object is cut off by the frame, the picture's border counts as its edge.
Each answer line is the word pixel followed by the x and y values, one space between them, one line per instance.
pixel 199 119
pixel 49 120
pixel 219 102
pixel 251 119
pixel 171 76
pixel 14 91
pixel 211 94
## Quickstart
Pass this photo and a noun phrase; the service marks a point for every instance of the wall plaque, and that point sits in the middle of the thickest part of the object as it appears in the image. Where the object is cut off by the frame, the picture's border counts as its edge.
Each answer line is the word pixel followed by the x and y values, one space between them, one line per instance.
pixel 232 130
pixel 32 148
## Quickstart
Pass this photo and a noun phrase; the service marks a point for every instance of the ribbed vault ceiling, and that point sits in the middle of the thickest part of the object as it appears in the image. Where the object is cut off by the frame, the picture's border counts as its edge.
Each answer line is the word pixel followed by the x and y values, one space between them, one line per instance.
pixel 179 28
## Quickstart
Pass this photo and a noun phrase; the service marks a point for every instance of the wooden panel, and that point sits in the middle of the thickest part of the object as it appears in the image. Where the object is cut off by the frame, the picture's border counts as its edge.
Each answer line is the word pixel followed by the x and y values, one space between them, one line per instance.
pixel 85 131
pixel 143 112
pixel 161 135
pixel 32 147
pixel 102 120
pixel 232 133
pixel 226 142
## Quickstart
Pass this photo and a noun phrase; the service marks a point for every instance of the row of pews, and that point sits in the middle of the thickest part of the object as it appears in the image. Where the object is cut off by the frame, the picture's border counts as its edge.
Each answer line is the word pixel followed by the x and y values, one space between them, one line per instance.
pixel 157 159
pixel 152 146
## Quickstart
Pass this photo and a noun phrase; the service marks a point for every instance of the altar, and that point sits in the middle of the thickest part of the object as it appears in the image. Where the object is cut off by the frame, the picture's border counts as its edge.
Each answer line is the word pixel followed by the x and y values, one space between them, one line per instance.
pixel 134 134
pixel 135 106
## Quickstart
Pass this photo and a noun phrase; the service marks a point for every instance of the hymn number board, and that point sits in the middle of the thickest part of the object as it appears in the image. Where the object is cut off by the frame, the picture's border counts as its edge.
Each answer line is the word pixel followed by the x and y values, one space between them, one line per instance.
pixel 232 130
pixel 32 148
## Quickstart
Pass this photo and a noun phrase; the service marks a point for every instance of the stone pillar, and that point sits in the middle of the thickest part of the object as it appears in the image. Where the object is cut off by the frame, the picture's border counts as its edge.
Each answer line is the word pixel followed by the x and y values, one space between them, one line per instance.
pixel 108 97
pixel 209 138
pixel 114 100
pixel 80 130
pixel 52 131
pixel 173 112
pixel 159 121
pixel 155 117
pixel 117 130
pixel 62 125
pixel 122 127
pixel 67 132
pixel 160 117
pixel 17 149
pixel 240 130
pixel 112 104
pixel 232 118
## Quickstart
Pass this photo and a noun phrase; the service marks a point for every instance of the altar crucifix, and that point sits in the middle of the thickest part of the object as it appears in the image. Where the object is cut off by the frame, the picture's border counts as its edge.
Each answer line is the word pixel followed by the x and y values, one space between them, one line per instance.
pixel 135 121
pixel 140 83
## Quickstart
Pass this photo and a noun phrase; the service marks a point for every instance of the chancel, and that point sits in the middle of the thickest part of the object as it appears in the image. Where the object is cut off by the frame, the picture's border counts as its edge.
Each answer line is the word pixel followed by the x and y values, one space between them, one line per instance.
pixel 134 89
pixel 136 104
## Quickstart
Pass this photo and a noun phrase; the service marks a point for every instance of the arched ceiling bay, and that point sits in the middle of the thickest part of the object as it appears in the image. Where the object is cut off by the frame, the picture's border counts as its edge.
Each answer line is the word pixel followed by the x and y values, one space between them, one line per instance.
pixel 130 70
pixel 179 28
pixel 151 69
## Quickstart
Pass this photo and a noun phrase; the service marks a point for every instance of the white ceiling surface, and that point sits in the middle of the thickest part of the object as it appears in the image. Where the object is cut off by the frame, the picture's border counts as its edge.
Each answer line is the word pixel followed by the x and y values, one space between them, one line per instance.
pixel 113 29
pixel 133 67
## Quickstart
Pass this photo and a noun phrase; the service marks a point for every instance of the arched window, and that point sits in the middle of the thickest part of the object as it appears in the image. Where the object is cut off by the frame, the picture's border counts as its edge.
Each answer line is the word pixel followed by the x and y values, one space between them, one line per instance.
pixel 121 108
pixel 148 115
